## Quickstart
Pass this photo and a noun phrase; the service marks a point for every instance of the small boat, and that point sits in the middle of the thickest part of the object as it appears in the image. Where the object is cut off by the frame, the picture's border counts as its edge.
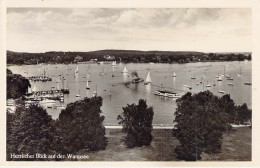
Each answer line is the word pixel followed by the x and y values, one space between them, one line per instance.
pixel 248 83
pixel 221 91
pixel 61 106
pixel 240 73
pixel 186 86
pixel 114 63
pixel 219 78
pixel 166 93
pixel 125 70
pixel 94 93
pixel 65 91
pixel 137 80
pixel 174 74
pixel 77 70
pixel 148 79
pixel 230 78
pixel 102 73
pixel 87 87
pixel 78 95
pixel 231 84
pixel 47 101
pixel 109 93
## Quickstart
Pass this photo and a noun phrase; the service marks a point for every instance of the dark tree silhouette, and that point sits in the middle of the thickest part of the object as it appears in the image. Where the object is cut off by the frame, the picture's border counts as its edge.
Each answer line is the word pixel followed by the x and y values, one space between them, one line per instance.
pixel 30 131
pixel 81 126
pixel 200 122
pixel 16 85
pixel 137 123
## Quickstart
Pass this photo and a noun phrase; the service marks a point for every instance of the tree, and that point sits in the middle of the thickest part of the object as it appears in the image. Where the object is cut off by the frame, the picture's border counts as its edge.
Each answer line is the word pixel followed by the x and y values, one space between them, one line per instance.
pixel 199 124
pixel 30 131
pixel 81 126
pixel 243 114
pixel 16 85
pixel 137 123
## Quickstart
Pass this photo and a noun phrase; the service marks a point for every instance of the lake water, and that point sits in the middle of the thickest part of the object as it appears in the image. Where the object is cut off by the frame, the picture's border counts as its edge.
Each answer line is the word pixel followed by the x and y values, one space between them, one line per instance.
pixel 161 75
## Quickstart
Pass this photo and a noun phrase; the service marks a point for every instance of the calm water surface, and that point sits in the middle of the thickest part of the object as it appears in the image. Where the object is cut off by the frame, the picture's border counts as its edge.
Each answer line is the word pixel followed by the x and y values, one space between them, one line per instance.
pixel 161 75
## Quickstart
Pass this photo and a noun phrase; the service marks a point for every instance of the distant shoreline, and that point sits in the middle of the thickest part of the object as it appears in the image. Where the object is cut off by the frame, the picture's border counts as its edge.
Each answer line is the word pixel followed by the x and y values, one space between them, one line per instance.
pixel 126 63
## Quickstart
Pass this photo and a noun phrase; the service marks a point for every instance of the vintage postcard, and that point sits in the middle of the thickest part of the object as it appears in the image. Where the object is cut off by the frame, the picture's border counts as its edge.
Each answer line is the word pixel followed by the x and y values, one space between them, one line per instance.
pixel 97 83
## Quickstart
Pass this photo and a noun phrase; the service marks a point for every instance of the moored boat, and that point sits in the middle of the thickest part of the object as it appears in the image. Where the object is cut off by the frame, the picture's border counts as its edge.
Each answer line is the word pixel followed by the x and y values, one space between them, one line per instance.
pixel 137 80
pixel 166 93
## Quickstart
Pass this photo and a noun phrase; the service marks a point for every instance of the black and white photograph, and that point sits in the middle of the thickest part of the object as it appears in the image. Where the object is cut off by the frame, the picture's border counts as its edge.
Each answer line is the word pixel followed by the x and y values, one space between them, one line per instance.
pixel 128 84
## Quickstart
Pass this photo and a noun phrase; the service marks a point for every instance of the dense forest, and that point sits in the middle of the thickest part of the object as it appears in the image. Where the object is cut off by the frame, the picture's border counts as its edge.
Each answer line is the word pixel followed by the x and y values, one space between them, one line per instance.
pixel 125 56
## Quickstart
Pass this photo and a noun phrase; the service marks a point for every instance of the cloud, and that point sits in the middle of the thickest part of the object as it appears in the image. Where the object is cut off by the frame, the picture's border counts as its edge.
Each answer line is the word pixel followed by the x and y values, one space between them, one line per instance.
pixel 44 29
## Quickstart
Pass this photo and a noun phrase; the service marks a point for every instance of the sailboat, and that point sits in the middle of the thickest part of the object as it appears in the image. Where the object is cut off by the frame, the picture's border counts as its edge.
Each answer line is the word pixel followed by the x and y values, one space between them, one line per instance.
pixel 87 87
pixel 114 63
pixel 208 85
pixel 148 79
pixel 29 90
pixel 219 78
pixel 44 71
pixel 77 70
pixel 109 93
pixel 95 92
pixel 78 95
pixel 125 70
pixel 248 83
pixel 174 74
pixel 58 85
pixel 67 70
pixel 240 74
pixel 102 73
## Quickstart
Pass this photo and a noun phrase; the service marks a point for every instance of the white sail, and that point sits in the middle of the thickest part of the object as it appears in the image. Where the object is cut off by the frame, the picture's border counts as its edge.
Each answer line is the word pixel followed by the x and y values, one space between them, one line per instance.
pixel 148 78
pixel 174 74
pixel 58 85
pixel 44 71
pixel 34 88
pixel 77 69
pixel 114 63
pixel 87 86
pixel 125 70
pixel 29 90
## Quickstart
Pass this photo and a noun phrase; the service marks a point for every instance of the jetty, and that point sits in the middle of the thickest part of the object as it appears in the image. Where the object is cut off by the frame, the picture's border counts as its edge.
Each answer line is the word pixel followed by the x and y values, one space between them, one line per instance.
pixel 39 78
pixel 48 94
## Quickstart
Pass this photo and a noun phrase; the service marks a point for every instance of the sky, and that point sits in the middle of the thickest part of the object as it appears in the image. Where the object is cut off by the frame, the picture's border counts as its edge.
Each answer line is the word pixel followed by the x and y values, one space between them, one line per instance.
pixel 89 29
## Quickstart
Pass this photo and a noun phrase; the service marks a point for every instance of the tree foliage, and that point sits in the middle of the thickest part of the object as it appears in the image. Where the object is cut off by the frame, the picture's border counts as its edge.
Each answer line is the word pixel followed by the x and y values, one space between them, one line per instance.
pixel 200 122
pixel 16 85
pixel 137 123
pixel 81 126
pixel 29 131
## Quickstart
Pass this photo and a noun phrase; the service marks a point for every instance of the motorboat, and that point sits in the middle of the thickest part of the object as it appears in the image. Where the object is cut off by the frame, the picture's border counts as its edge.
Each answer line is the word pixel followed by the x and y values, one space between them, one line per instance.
pixel 137 80
pixel 187 86
pixel 221 91
pixel 166 93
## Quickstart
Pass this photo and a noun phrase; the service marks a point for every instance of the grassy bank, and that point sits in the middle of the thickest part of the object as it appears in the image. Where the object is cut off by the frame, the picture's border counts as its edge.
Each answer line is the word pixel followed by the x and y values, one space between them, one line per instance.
pixel 236 147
